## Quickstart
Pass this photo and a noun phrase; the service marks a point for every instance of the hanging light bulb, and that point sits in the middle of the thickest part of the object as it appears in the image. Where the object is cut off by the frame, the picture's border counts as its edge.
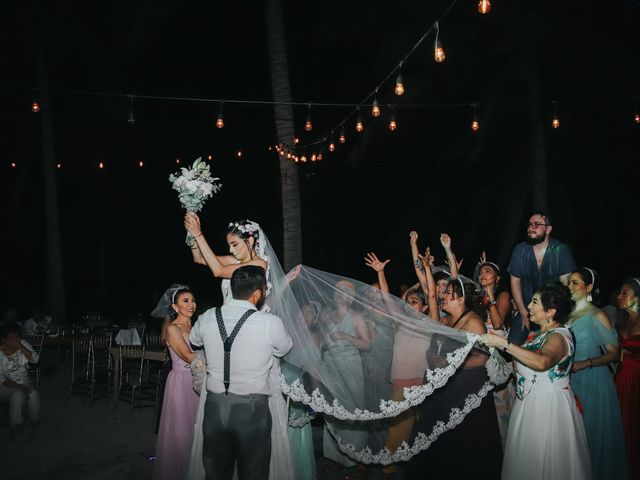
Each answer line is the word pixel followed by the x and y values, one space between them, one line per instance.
pixel 555 121
pixel 35 107
pixel 393 124
pixel 177 161
pixel 636 114
pixel 343 137
pixel 484 6
pixel 296 140
pixel 296 159
pixel 475 125
pixel 210 157
pixel 359 124
pixel 101 165
pixel 375 109
pixel 303 158
pixel 636 118
pixel 319 156
pixel 220 119
pixel 59 166
pixel 131 118
pixel 308 126
pixel 438 51
pixel 399 90
pixel 239 153
pixel 141 164
pixel 314 157
pixel 332 144
pixel 13 164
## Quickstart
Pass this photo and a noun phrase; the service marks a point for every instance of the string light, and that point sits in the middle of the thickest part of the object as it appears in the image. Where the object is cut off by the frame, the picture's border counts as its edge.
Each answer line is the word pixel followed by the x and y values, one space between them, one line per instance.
pixel 332 145
pixel 319 156
pixel 220 119
pixel 475 125
pixel 636 114
pixel 555 121
pixel 131 119
pixel 177 161
pixel 239 154
pixel 343 137
pixel 303 158
pixel 438 51
pixel 140 164
pixel 375 109
pixel 399 90
pixel 484 6
pixel 296 140
pixel 393 124
pixel 100 165
pixel 210 157
pixel 359 124
pixel 313 157
pixel 13 164
pixel 35 107
pixel 59 166
pixel 308 126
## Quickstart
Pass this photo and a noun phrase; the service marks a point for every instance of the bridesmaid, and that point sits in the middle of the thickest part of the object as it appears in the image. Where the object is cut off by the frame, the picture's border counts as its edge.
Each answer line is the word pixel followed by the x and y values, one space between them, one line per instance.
pixel 180 402
pixel 628 376
pixel 592 379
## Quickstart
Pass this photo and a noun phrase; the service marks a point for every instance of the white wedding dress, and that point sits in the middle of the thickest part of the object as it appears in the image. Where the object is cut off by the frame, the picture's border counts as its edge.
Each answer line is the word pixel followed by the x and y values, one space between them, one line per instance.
pixel 281 465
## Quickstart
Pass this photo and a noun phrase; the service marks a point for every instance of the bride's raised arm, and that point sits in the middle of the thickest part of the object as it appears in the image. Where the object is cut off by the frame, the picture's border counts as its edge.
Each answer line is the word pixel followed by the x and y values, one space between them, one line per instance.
pixel 220 266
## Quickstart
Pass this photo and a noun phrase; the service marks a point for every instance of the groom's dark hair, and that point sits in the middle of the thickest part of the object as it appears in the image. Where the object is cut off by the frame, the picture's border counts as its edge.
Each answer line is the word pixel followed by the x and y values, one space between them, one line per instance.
pixel 246 280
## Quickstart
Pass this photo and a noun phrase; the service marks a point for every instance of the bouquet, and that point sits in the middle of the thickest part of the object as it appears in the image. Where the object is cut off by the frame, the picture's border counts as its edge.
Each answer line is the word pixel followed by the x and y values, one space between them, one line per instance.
pixel 194 186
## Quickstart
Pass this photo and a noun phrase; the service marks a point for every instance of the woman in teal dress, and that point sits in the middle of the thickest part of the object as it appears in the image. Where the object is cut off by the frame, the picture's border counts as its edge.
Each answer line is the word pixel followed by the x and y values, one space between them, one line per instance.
pixel 592 378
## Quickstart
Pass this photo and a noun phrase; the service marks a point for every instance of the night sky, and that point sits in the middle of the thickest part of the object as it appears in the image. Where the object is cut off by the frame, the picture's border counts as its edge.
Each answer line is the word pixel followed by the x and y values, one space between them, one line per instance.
pixel 122 234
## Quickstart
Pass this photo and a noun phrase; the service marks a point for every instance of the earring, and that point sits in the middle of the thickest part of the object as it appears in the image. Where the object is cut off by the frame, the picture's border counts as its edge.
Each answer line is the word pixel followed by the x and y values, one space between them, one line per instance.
pixel 589 297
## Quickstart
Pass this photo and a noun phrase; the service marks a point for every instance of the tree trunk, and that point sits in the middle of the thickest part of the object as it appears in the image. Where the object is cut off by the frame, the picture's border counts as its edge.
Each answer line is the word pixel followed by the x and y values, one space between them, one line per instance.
pixel 55 301
pixel 290 191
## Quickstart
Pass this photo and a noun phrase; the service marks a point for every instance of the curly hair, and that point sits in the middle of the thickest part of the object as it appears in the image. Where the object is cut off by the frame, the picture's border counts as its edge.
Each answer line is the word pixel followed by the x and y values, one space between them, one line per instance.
pixel 556 295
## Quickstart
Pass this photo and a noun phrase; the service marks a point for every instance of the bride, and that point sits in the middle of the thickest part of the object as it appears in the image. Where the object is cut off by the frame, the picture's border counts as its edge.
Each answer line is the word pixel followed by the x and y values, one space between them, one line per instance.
pixel 248 246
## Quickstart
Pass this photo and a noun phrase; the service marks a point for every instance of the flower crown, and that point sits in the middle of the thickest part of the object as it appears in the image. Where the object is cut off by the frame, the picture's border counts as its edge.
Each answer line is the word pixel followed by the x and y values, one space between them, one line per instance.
pixel 249 227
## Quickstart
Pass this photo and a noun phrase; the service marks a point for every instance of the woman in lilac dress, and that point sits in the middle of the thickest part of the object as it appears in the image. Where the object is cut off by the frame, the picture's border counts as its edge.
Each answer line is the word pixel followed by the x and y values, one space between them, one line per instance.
pixel 180 402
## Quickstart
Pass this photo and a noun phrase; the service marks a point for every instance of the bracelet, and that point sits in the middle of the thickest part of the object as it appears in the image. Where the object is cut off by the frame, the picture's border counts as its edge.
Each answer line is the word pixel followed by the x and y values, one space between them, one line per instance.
pixel 493 303
pixel 196 236
pixel 195 248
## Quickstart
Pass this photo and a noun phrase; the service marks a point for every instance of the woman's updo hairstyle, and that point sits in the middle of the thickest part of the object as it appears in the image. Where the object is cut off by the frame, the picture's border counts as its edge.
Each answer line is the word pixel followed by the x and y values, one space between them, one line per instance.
pixel 174 298
pixel 556 295
pixel 242 228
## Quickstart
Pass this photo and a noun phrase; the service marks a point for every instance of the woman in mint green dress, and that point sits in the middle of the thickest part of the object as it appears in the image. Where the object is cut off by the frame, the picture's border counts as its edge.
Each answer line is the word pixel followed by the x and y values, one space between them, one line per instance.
pixel 592 378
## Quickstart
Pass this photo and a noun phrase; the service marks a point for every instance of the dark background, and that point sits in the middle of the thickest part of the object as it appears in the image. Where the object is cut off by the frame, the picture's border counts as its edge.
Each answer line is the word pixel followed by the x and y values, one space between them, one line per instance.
pixel 122 234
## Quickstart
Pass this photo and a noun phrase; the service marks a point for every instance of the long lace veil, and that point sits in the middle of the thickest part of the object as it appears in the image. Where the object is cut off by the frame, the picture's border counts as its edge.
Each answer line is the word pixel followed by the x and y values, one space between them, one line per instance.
pixel 349 382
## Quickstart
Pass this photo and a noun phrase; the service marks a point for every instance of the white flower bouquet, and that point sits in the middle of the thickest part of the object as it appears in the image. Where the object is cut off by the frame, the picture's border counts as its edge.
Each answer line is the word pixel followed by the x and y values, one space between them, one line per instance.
pixel 194 186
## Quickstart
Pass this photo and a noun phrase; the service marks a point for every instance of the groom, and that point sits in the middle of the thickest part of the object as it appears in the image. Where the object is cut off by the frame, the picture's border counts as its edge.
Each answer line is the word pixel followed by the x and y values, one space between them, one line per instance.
pixel 239 343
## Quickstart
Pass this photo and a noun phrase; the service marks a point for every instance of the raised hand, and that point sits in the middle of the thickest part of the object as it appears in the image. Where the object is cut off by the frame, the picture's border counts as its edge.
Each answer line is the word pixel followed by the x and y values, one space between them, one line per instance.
pixel 413 237
pixel 371 260
pixel 427 259
pixel 192 224
pixel 445 241
pixel 293 273
pixel 483 258
pixel 458 263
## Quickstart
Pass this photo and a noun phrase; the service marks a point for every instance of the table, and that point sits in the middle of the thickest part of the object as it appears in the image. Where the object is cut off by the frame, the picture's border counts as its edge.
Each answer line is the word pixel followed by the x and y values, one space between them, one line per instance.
pixel 153 353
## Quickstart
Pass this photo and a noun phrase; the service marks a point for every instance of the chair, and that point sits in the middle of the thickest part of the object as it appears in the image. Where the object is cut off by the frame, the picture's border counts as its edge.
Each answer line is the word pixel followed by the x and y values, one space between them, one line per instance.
pixel 102 366
pixel 132 385
pixel 36 341
pixel 81 368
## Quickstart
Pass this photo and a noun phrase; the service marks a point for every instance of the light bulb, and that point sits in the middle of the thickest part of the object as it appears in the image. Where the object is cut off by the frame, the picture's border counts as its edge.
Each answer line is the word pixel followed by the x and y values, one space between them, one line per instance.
pixel 141 164
pixel 555 123
pixel 636 118
pixel 343 137
pixel 296 140
pixel 475 126
pixel 313 157
pixel 101 165
pixel 484 6
pixel 13 164
pixel 220 121
pixel 320 156
pixel 438 53
pixel 393 125
pixel 375 110
pixel 332 146
pixel 239 154
pixel 399 85
pixel 59 165
pixel 35 107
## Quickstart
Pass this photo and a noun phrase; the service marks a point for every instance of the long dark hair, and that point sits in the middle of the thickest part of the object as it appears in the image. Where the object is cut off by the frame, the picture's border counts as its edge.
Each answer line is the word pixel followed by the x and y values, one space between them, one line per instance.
pixel 472 299
pixel 623 316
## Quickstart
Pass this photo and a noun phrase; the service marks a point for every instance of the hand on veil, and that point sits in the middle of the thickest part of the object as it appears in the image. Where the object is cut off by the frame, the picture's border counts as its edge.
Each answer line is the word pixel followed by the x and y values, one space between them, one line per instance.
pixel 192 224
pixel 293 273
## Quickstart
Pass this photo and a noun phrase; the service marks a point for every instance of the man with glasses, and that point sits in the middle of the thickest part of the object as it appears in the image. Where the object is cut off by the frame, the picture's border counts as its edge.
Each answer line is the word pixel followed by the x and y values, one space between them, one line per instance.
pixel 537 261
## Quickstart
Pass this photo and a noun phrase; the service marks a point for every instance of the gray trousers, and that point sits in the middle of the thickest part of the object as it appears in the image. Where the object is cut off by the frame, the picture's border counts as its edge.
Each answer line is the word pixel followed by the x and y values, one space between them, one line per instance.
pixel 236 429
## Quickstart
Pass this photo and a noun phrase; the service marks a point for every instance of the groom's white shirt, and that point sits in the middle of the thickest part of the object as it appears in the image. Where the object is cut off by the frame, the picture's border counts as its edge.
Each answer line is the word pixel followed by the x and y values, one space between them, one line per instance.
pixel 261 337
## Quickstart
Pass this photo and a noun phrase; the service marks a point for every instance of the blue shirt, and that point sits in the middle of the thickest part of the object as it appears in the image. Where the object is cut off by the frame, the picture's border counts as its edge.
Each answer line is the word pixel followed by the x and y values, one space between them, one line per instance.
pixel 558 260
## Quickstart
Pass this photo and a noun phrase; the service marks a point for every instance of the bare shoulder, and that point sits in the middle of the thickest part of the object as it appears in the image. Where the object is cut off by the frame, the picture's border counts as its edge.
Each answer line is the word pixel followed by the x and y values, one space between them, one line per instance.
pixel 475 324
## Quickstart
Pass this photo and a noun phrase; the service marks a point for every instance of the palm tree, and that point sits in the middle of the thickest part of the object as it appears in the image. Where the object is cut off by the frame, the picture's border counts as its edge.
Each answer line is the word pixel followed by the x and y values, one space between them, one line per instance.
pixel 290 191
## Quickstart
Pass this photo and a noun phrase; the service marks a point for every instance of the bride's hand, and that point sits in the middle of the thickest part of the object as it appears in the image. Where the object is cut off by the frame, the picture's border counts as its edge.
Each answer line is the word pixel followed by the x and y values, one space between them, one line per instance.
pixel 192 224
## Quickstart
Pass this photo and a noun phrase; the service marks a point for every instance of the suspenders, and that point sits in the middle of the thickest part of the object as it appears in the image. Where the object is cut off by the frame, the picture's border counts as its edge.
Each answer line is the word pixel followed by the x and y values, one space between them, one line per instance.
pixel 228 342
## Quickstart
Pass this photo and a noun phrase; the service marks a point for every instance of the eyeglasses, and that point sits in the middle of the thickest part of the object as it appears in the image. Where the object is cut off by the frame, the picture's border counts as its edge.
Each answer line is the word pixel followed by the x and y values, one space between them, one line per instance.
pixel 536 225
